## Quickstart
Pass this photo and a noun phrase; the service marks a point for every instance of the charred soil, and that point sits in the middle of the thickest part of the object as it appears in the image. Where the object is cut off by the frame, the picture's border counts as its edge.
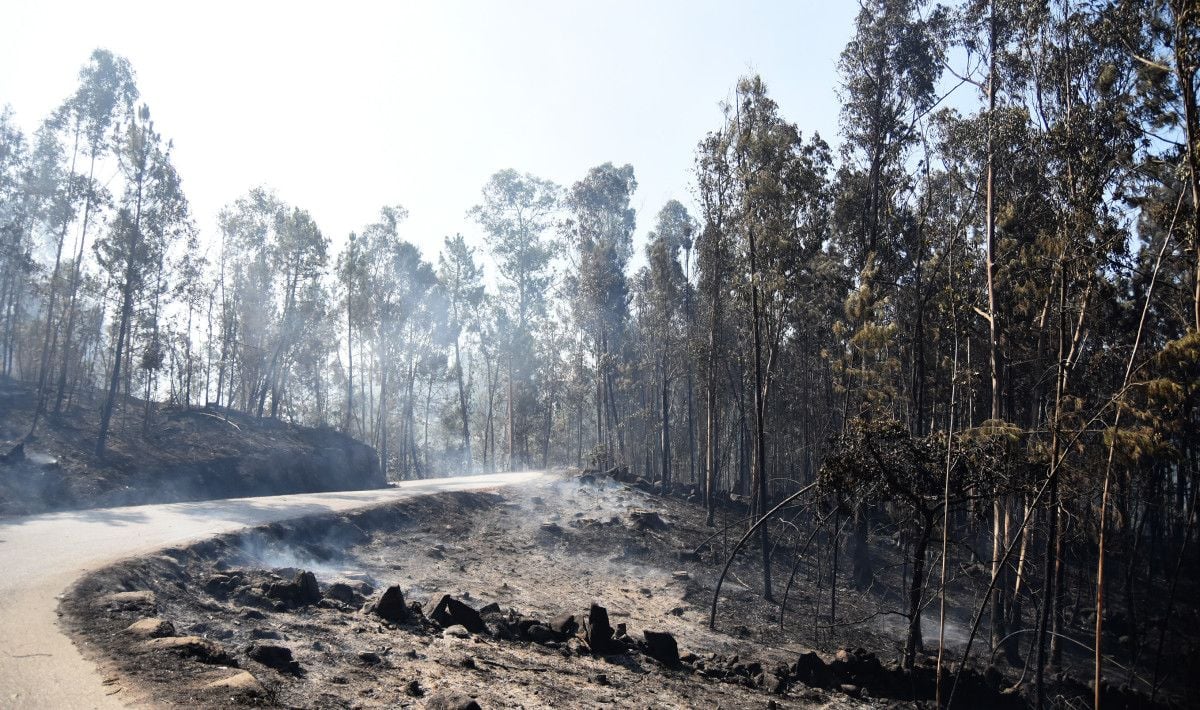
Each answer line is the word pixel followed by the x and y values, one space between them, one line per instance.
pixel 580 591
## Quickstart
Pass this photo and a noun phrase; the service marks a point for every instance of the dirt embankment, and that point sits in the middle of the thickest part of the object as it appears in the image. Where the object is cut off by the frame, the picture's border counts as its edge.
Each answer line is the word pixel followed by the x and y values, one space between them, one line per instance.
pixel 572 593
pixel 183 455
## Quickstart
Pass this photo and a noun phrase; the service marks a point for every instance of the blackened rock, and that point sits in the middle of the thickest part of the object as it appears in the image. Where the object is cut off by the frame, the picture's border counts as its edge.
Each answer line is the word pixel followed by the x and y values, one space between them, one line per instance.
pixel 843 664
pixel 16 454
pixel 501 630
pixel 450 700
pixel 344 593
pixel 272 634
pixel 597 632
pixel 647 520
pixel 775 684
pixel 301 591
pixel 195 647
pixel 810 670
pixel 309 592
pixel 271 656
pixel 390 605
pixel 448 611
pixel 564 625
pixel 524 623
pixel 540 633
pixel 220 585
pixel 661 646
pixel 488 609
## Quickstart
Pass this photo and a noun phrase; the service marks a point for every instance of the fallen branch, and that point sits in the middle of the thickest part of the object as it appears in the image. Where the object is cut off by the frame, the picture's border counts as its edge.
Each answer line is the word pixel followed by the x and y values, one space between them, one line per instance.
pixel 712 617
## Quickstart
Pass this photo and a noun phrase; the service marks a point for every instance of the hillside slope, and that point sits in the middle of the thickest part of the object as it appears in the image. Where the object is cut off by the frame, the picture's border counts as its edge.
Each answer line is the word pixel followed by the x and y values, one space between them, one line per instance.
pixel 192 454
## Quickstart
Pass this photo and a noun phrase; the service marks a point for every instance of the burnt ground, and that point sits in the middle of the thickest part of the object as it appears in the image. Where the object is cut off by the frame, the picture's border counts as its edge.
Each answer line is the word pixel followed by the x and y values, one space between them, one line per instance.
pixel 242 624
pixel 193 454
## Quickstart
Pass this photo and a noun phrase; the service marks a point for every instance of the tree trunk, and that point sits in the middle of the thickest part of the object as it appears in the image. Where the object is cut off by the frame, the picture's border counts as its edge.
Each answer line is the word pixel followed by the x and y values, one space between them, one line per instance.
pixel 914 641
pixel 666 427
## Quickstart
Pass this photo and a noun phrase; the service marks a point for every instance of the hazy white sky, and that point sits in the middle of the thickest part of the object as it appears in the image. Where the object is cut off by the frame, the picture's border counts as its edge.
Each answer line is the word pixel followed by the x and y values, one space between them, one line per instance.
pixel 343 107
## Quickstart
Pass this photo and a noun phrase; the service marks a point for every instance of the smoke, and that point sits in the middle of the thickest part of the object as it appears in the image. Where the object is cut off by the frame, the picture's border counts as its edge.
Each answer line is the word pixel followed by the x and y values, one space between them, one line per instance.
pixel 313 546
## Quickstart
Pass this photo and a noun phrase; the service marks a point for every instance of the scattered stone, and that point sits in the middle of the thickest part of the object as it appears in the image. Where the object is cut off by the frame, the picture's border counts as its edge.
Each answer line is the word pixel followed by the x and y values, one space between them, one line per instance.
pixel 390 605
pixel 681 574
pixel 243 683
pixel 252 614
pixel 260 634
pixel 195 647
pixel 676 611
pixel 448 611
pixel 413 689
pixel 435 553
pixel 151 628
pixel 775 684
pixel 564 625
pixel 552 528
pixel 129 601
pixel 344 593
pixel 271 656
pixel 456 631
pixel 601 679
pixel 501 630
pixel 451 700
pixel 490 609
pixel 220 585
pixel 661 646
pixel 370 658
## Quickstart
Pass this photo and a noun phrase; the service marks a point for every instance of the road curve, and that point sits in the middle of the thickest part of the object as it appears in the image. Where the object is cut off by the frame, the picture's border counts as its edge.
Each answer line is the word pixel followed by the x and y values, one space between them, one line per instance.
pixel 41 555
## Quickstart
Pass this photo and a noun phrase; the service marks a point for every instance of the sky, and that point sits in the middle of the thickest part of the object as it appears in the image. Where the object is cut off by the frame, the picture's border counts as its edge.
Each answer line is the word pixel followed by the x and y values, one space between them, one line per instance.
pixel 344 107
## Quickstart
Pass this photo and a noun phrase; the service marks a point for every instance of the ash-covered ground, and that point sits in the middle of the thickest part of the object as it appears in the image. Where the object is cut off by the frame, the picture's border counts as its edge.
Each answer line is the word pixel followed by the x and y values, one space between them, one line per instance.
pixel 552 589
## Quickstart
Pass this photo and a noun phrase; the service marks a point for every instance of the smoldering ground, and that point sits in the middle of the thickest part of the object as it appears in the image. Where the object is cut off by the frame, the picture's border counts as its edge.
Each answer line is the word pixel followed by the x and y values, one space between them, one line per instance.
pixel 542 552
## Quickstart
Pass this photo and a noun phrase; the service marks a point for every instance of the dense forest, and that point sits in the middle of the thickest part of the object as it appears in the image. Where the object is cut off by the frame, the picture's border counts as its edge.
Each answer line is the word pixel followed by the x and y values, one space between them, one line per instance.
pixel 974 324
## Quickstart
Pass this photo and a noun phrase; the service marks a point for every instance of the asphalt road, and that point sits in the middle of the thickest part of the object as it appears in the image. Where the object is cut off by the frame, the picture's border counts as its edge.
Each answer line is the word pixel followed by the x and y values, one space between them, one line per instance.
pixel 41 555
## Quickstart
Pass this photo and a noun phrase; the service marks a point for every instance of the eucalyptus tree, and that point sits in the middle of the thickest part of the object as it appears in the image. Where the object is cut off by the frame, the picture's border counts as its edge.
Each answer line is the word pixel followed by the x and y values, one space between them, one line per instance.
pixel 15 261
pixel 275 253
pixel 889 69
pixel 462 282
pixel 600 232
pixel 516 213
pixel 152 212
pixel 715 188
pixel 106 95
pixel 51 187
pixel 664 317
pixel 780 190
